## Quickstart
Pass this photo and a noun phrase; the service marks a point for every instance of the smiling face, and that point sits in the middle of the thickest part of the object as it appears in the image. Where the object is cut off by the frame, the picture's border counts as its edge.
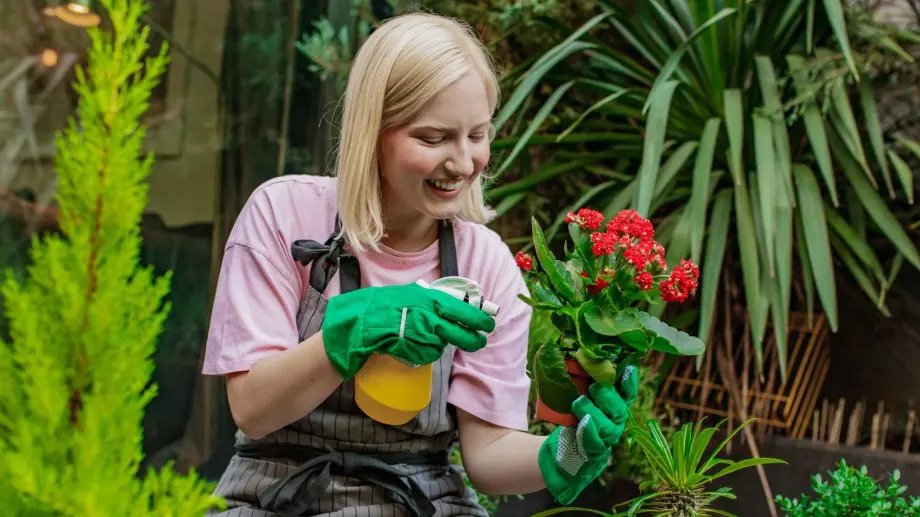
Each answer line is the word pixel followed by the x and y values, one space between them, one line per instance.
pixel 429 164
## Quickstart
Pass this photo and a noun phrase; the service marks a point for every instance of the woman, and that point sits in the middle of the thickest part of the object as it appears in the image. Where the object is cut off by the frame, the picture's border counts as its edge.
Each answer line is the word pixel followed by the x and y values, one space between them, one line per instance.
pixel 319 273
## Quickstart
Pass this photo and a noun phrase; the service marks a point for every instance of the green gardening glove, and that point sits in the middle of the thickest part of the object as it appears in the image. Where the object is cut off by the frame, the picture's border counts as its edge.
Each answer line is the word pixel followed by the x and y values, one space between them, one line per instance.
pixel 571 458
pixel 409 322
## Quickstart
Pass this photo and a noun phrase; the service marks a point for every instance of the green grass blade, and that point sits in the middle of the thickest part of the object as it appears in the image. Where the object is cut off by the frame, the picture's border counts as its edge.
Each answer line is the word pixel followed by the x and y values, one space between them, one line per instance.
pixel 835 15
pixel 734 127
pixel 905 176
pixel 606 100
pixel 783 285
pixel 845 122
pixel 774 111
pixel 874 204
pixel 747 244
pixel 808 278
pixel 699 198
pixel 654 141
pixel 816 237
pixel 766 182
pixel 868 287
pixel 673 165
pixel 716 238
pixel 874 128
pixel 814 127
pixel 855 242
pixel 532 128
pixel 534 76
pixel 674 59
pixel 743 464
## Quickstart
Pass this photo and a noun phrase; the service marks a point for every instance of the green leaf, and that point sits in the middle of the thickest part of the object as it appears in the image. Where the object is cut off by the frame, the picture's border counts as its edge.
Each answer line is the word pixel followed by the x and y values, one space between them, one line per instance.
pixel 554 384
pixel 743 464
pixel 874 129
pixel 652 147
pixel 845 122
pixel 773 110
pixel 558 277
pixel 747 245
pixel 674 58
pixel 875 206
pixel 712 264
pixel 601 370
pixel 699 198
pixel 597 105
pixel 835 15
pixel 815 233
pixel 534 125
pixel 668 339
pixel 873 292
pixel 814 127
pixel 857 244
pixel 734 127
pixel 766 181
pixel 542 331
pixel 622 324
pixel 905 176
pixel 808 277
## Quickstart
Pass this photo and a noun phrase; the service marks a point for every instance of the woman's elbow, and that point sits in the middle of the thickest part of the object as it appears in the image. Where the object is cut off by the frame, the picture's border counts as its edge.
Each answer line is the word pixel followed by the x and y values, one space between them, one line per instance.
pixel 241 409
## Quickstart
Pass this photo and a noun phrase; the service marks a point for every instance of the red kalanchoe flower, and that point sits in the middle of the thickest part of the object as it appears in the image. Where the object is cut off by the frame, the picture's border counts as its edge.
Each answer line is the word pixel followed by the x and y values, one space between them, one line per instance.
pixel 644 280
pixel 586 218
pixel 682 283
pixel 597 286
pixel 656 256
pixel 603 243
pixel 629 222
pixel 671 293
pixel 524 261
pixel 636 256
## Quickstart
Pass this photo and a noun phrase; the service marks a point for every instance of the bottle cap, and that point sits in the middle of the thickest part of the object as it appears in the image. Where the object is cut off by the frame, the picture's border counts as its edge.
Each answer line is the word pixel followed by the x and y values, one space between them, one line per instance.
pixel 490 308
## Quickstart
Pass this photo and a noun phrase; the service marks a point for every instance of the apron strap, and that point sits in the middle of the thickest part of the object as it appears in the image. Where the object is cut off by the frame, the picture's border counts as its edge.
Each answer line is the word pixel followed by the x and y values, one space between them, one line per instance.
pixel 332 256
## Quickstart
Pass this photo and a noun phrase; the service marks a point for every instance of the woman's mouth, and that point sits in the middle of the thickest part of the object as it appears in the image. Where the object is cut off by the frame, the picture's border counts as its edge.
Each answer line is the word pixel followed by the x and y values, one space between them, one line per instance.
pixel 445 186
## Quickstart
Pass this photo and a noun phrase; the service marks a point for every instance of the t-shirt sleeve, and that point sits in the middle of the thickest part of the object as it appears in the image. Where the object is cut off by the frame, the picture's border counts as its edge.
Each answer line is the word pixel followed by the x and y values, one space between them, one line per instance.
pixel 257 296
pixel 492 383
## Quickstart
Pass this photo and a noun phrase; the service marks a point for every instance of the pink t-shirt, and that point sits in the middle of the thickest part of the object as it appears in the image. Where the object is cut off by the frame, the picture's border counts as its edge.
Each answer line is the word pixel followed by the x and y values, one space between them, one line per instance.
pixel 260 288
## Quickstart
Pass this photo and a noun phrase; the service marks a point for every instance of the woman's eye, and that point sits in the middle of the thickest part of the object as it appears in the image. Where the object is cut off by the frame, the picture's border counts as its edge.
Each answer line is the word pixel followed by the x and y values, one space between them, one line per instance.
pixel 477 137
pixel 431 141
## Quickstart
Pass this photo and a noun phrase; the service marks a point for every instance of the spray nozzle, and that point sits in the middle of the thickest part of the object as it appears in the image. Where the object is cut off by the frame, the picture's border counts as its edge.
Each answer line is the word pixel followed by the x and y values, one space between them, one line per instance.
pixel 465 290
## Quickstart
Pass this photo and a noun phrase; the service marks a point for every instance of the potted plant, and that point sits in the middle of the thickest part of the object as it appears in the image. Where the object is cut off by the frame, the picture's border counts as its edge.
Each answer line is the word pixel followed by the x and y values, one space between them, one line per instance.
pixel 852 491
pixel 593 300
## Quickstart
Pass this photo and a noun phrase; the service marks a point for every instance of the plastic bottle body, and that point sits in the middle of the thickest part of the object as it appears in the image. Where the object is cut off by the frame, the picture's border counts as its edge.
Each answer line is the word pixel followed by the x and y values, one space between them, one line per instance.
pixel 392 392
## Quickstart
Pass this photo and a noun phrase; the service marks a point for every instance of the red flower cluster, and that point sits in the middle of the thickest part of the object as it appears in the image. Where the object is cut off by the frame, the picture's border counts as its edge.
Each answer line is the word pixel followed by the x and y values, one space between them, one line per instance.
pixel 524 261
pixel 629 222
pixel 631 237
pixel 586 218
pixel 682 283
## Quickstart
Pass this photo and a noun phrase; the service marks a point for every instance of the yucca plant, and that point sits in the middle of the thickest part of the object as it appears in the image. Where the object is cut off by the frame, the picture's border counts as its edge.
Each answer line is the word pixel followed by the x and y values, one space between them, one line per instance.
pixel 681 487
pixel 701 114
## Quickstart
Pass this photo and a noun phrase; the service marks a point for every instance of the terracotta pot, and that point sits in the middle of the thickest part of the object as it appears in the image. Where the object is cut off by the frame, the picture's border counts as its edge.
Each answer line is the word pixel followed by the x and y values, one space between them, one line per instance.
pixel 582 380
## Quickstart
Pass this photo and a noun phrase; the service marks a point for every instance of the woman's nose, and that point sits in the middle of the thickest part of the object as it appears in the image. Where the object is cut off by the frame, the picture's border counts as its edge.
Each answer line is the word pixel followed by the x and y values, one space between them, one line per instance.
pixel 461 161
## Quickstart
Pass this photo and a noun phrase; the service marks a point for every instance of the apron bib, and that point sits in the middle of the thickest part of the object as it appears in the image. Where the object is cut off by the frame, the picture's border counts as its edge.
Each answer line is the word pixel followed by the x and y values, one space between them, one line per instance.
pixel 338 462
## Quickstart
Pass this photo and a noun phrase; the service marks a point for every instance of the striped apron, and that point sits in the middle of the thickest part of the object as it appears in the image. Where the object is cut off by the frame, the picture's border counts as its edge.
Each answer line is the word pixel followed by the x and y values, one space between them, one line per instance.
pixel 336 461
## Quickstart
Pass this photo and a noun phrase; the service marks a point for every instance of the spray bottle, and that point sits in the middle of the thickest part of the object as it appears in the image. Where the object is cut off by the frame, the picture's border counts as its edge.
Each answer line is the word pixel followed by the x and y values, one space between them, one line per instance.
pixel 392 392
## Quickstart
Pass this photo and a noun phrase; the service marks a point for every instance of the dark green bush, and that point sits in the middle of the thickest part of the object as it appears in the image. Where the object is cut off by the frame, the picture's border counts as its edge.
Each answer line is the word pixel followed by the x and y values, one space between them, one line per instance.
pixel 851 492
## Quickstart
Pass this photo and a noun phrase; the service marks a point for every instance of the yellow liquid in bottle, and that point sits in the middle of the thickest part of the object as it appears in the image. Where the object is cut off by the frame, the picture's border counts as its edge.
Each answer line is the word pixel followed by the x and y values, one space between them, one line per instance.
pixel 391 392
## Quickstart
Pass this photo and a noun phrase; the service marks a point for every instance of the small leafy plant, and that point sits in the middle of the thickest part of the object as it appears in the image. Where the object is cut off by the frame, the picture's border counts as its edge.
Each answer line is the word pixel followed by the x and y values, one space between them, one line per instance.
pixel 594 300
pixel 682 488
pixel 852 492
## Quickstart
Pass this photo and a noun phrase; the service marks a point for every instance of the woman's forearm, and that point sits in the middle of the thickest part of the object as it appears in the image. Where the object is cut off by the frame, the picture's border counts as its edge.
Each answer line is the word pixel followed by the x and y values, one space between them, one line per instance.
pixel 282 388
pixel 499 461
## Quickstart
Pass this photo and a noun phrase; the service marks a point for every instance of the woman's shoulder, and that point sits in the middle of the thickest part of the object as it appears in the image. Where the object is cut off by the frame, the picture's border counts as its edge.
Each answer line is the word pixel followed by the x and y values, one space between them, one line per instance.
pixel 483 246
pixel 288 208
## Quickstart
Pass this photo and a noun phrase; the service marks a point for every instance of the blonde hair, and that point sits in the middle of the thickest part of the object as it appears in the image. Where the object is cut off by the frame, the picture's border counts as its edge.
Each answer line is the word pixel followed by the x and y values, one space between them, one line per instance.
pixel 405 62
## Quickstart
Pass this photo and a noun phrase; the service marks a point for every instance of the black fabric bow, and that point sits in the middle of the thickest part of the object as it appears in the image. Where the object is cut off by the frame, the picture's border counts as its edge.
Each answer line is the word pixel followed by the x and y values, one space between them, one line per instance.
pixel 326 259
pixel 312 479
